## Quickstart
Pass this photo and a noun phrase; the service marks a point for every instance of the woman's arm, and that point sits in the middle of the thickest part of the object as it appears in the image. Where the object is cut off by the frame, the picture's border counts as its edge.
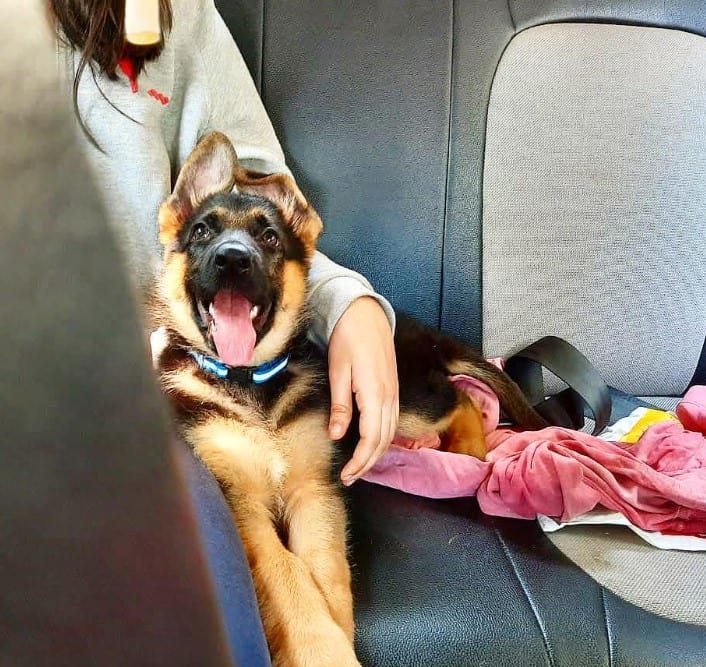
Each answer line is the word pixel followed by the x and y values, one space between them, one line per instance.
pixel 358 324
pixel 233 104
pixel 333 289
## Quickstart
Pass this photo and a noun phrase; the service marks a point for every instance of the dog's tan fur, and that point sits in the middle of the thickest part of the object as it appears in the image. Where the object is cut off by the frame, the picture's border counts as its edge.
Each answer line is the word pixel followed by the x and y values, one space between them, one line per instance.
pixel 288 315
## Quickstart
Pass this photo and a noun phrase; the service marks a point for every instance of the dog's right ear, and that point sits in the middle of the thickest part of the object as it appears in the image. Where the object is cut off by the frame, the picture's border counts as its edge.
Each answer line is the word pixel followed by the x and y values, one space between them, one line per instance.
pixel 209 169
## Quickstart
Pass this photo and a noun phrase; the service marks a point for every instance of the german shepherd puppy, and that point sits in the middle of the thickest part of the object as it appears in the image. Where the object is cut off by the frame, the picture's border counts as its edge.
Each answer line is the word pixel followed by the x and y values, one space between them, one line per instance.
pixel 232 298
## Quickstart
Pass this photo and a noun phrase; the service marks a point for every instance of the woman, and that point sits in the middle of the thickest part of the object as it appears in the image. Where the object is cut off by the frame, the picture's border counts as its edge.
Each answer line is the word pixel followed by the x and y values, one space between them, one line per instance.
pixel 143 109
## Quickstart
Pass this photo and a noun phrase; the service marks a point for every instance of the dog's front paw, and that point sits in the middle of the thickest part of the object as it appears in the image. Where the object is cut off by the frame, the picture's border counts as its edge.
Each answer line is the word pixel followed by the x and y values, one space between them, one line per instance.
pixel 317 647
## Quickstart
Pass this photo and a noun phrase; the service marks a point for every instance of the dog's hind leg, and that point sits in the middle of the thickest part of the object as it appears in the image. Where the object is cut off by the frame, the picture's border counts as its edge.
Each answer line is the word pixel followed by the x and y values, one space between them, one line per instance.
pixel 459 426
pixel 464 433
pixel 423 354
pixel 431 404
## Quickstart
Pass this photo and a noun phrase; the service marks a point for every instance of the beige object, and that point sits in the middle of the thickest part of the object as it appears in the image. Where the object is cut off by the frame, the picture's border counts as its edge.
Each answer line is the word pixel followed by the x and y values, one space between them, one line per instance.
pixel 142 22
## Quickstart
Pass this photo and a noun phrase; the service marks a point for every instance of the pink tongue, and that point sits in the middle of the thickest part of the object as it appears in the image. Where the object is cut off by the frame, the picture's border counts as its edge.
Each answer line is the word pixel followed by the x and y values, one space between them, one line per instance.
pixel 233 332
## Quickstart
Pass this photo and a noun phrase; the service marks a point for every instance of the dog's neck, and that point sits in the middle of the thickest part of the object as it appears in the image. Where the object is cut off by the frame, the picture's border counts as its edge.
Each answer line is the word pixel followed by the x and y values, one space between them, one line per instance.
pixel 245 375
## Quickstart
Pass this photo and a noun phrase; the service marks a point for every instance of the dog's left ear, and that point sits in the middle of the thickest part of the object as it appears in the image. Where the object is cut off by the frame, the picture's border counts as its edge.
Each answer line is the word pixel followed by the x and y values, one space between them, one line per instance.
pixel 209 169
pixel 282 191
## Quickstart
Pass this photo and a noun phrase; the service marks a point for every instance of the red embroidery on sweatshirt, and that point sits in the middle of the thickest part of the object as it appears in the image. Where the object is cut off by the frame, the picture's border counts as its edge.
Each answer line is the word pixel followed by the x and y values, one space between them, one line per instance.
pixel 128 68
pixel 158 96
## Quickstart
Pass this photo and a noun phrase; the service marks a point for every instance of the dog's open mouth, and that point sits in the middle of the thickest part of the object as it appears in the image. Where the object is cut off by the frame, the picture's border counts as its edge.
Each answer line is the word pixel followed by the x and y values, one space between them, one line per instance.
pixel 233 323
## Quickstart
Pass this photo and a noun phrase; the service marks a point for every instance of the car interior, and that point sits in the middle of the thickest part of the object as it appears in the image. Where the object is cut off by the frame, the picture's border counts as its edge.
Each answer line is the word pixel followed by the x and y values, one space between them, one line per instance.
pixel 502 170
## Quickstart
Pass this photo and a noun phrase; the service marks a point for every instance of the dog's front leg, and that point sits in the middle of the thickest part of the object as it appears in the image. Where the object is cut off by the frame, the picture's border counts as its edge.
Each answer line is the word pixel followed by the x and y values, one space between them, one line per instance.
pixel 299 628
pixel 316 517
pixel 316 525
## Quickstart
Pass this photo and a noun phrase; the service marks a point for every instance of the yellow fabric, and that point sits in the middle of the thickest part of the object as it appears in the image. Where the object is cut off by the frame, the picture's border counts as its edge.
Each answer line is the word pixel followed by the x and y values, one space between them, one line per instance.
pixel 649 418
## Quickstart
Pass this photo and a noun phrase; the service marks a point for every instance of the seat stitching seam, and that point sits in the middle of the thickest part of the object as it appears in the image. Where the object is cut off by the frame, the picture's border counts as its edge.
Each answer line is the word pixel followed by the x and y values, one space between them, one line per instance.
pixel 528 596
pixel 448 163
pixel 606 621
pixel 262 54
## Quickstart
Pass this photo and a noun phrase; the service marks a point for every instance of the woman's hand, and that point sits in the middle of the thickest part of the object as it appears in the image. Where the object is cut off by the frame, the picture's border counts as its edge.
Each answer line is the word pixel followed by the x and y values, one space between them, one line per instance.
pixel 362 362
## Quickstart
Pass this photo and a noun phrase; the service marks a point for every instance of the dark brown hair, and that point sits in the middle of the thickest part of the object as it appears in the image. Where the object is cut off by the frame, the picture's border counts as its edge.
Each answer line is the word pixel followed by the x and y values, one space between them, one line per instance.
pixel 94 28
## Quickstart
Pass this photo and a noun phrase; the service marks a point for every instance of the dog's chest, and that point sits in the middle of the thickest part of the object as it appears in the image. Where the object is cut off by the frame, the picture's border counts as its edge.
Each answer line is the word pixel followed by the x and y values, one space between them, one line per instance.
pixel 256 459
pixel 267 442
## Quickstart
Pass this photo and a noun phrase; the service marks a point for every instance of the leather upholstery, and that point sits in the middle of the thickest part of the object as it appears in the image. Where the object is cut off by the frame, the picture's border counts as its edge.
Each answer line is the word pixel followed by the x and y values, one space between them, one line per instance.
pixel 245 20
pixel 381 107
pixel 482 30
pixel 364 121
pixel 439 583
pixel 685 15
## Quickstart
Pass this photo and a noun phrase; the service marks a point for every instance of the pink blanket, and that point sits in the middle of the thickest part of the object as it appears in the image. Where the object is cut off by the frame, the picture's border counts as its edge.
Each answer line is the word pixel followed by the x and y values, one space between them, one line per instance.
pixel 659 484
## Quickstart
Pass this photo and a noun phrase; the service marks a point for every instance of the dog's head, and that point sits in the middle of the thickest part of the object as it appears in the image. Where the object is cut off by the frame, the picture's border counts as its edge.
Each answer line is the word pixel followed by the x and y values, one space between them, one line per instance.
pixel 237 251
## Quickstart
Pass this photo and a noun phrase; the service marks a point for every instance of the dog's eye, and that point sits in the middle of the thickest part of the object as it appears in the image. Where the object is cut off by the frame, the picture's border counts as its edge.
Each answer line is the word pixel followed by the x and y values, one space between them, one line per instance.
pixel 270 238
pixel 200 232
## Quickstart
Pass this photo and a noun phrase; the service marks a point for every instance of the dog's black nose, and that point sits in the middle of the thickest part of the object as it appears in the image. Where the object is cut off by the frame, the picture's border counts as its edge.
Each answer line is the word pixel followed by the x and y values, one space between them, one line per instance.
pixel 234 257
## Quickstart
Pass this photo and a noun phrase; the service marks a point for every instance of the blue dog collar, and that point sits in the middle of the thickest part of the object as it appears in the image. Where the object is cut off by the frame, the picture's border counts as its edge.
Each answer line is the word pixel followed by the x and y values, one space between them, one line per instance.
pixel 241 374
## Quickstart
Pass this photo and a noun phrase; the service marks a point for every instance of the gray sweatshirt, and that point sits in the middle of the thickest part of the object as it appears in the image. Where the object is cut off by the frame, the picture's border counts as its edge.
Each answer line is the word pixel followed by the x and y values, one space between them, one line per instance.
pixel 200 83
